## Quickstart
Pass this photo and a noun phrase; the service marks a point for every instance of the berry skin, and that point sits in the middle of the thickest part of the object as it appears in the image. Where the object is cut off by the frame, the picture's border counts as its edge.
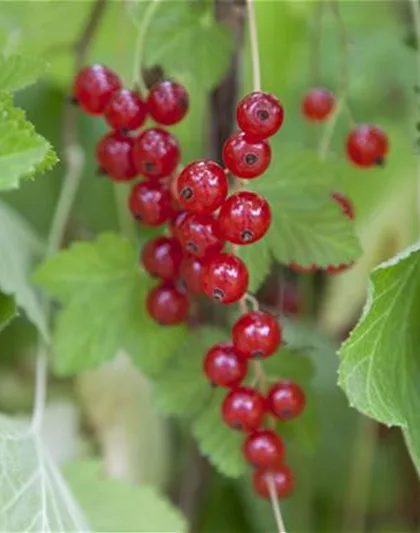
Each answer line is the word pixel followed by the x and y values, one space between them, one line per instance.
pixel 286 400
pixel 283 481
pixel 243 409
pixel 260 115
pixel 114 153
pixel 331 270
pixel 367 146
pixel 168 102
pixel 225 278
pixel 150 203
pixel 176 221
pixel 244 218
pixel 202 186
pixel 156 153
pixel 256 335
pixel 191 274
pixel 94 86
pixel 246 157
pixel 162 257
pixel 224 367
pixel 299 269
pixel 166 305
pixel 317 104
pixel 199 235
pixel 344 202
pixel 125 110
pixel 263 449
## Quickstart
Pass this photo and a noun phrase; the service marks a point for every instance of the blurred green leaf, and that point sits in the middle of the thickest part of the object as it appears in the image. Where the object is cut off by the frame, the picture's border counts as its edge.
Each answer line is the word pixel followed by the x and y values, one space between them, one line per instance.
pixel 8 310
pixel 17 71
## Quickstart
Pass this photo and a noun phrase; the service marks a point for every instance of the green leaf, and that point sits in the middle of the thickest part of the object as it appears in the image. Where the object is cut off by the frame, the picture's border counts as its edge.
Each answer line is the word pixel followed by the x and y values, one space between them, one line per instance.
pixel 379 370
pixel 33 495
pixel 114 505
pixel 200 47
pixel 8 310
pixel 103 291
pixel 17 71
pixel 20 249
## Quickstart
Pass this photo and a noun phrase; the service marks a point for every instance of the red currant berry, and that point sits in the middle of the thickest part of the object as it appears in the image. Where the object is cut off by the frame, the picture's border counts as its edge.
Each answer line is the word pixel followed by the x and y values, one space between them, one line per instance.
pixel 202 186
pixel 94 86
pixel 299 269
pixel 344 202
pixel 114 153
pixel 199 235
pixel 225 278
pixel 244 218
pixel 317 104
pixel 166 305
pixel 263 448
pixel 150 203
pixel 168 102
pixel 260 115
pixel 246 157
pixel 176 221
pixel 243 409
pixel 286 400
pixel 256 334
pixel 156 153
pixel 282 479
pixel 191 274
pixel 125 110
pixel 367 145
pixel 332 270
pixel 162 257
pixel 224 367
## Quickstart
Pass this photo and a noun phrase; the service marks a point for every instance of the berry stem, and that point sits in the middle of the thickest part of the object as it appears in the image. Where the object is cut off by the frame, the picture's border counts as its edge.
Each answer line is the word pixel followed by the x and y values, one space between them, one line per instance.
pixel 327 136
pixel 415 9
pixel 344 46
pixel 275 504
pixel 253 39
pixel 315 55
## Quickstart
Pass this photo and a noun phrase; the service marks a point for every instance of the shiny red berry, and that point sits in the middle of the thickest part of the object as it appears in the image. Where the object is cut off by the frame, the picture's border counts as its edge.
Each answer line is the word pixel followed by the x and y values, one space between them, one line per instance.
pixel 300 269
pixel 202 186
pixel 150 203
pixel 367 145
pixel 168 102
pixel 263 448
pixel 243 409
pixel 114 153
pixel 94 86
pixel 286 400
pixel 199 235
pixel 125 110
pixel 318 104
pixel 256 334
pixel 224 367
pixel 281 477
pixel 345 203
pixel 176 221
pixel 167 305
pixel 191 274
pixel 244 218
pixel 260 115
pixel 246 157
pixel 156 153
pixel 162 257
pixel 225 278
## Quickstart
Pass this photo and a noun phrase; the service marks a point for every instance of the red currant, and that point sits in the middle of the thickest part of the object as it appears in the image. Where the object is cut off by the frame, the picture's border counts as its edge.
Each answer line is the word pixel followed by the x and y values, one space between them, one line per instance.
pixel 344 202
pixel 156 153
pixel 224 367
pixel 286 400
pixel 199 235
pixel 263 448
pixel 168 102
pixel 114 153
pixel 243 409
pixel 125 110
pixel 244 218
pixel 318 104
pixel 299 269
pixel 282 479
pixel 256 334
pixel 150 203
pixel 176 221
pixel 202 186
pixel 162 257
pixel 367 145
pixel 166 305
pixel 94 86
pixel 191 274
pixel 246 157
pixel 225 278
pixel 260 115
pixel 330 269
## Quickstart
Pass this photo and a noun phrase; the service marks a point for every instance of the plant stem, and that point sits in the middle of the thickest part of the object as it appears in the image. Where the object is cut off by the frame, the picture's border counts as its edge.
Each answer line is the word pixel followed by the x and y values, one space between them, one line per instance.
pixel 328 134
pixel 275 504
pixel 255 53
pixel 415 9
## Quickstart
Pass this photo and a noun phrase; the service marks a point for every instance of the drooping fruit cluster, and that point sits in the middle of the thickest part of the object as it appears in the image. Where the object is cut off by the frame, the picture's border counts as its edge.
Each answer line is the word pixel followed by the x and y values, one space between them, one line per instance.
pixel 366 145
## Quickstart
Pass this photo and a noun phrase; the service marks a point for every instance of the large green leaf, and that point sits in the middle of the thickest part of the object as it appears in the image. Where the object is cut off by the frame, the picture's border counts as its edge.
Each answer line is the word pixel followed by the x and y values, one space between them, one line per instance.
pixel 8 310
pixel 380 367
pixel 17 71
pixel 103 291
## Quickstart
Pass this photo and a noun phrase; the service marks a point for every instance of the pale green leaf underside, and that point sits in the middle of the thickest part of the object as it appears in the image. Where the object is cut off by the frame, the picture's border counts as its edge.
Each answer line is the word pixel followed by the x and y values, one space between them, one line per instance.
pixel 17 71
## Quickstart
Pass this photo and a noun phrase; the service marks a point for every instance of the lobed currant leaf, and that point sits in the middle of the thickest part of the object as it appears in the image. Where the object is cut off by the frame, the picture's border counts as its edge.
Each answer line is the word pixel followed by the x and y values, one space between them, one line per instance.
pixel 18 71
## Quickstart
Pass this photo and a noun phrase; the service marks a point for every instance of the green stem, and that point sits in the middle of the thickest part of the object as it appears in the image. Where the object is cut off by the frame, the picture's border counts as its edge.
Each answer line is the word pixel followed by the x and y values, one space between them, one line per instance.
pixel 125 220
